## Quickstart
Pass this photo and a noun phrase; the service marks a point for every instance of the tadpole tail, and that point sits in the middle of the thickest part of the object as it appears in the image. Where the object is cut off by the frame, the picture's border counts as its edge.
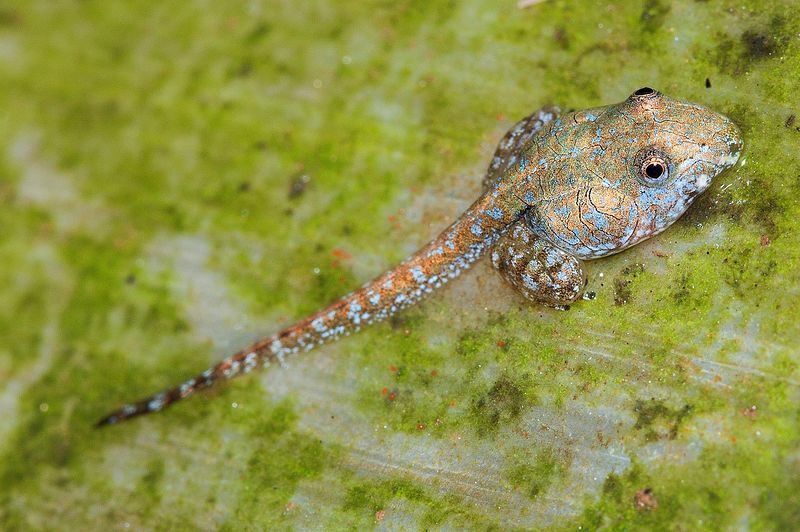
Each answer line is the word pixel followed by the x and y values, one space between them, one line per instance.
pixel 441 260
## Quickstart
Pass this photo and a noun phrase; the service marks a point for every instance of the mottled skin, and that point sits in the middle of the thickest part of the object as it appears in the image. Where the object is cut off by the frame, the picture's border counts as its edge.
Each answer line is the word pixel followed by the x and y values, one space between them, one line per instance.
pixel 559 190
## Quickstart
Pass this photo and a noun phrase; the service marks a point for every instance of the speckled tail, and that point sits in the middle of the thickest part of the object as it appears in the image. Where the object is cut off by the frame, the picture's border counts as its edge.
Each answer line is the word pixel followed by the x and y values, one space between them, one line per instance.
pixel 443 259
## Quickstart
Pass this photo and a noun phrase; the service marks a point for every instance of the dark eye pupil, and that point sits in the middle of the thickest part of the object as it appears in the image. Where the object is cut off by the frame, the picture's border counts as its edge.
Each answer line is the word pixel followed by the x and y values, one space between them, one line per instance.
pixel 654 170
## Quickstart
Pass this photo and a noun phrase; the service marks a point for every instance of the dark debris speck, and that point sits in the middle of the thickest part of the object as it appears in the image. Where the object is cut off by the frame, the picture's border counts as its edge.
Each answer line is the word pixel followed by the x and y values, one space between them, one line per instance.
pixel 298 185
pixel 645 500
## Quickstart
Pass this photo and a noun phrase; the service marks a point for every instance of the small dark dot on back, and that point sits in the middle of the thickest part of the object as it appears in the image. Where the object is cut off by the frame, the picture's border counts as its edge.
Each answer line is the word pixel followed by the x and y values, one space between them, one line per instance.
pixel 759 45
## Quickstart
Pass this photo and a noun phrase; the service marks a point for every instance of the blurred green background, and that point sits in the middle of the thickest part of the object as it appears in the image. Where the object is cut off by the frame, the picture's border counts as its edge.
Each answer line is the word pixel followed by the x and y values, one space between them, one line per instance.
pixel 179 178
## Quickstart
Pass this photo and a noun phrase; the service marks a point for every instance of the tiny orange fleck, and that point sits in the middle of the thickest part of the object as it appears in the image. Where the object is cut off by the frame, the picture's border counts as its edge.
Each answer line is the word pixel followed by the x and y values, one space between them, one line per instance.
pixel 501 343
pixel 379 515
pixel 765 241
pixel 384 391
pixel 434 373
pixel 394 221
pixel 341 254
pixel 420 426
pixel 751 412
pixel 393 368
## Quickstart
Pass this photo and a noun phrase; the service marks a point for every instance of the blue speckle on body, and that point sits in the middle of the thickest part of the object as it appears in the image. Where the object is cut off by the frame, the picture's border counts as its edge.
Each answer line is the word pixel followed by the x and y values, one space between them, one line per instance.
pixel 529 282
pixel 416 273
pixel 562 211
pixel 495 213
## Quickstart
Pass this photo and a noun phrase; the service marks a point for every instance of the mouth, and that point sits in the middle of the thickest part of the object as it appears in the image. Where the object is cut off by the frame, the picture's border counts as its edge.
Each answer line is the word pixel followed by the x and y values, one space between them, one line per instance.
pixel 724 154
pixel 729 160
pixel 734 144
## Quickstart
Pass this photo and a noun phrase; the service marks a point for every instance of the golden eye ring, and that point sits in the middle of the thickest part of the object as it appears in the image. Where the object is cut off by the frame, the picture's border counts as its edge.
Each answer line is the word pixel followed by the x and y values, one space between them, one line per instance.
pixel 652 167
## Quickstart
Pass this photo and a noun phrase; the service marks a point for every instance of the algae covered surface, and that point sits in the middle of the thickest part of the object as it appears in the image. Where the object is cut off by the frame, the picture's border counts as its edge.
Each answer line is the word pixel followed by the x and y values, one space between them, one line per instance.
pixel 181 178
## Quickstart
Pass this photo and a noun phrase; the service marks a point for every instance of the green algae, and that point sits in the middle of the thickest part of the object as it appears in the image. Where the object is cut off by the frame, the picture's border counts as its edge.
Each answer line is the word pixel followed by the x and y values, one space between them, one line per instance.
pixel 501 404
pixel 657 420
pixel 195 121
pixel 534 474
pixel 280 460
pixel 367 500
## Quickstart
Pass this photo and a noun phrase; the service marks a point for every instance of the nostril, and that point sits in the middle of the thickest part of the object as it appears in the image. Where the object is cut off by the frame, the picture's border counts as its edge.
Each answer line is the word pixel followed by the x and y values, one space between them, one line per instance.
pixel 645 93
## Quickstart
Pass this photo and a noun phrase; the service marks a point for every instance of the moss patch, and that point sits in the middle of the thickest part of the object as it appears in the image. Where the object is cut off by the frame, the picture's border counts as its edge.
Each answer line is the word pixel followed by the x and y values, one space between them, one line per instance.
pixel 533 475
pixel 198 121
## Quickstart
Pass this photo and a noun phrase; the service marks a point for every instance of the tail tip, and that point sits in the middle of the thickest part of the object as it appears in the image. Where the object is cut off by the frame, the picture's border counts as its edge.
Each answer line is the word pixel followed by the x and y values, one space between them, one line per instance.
pixel 117 416
pixel 107 420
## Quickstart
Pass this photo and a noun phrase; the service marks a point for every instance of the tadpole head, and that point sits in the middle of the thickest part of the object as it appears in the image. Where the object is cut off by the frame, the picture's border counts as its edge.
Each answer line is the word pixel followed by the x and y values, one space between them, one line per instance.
pixel 676 149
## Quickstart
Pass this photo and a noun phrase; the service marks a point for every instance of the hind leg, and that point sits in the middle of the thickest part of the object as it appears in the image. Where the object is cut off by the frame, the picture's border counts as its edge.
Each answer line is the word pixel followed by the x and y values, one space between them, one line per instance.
pixel 538 270
pixel 514 141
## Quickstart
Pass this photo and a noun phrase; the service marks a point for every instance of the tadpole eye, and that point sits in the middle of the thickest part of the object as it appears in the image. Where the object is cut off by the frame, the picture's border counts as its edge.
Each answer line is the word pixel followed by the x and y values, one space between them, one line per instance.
pixel 652 166
pixel 654 170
